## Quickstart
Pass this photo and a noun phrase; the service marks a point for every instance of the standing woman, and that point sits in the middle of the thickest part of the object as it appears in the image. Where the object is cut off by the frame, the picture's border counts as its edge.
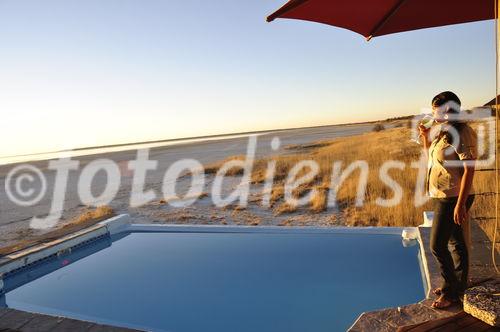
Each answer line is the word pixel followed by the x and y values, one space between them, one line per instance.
pixel 451 153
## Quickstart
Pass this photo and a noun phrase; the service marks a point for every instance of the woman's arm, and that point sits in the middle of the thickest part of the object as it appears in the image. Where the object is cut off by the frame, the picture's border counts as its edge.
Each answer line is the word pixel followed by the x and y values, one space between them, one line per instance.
pixel 466 150
pixel 460 212
pixel 424 135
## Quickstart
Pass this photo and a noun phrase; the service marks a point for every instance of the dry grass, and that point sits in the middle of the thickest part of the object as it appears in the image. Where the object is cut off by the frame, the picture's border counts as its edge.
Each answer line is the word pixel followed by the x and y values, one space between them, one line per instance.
pixel 86 219
pixel 277 194
pixel 234 207
pixel 98 214
pixel 319 200
pixel 375 148
pixel 214 167
pixel 285 208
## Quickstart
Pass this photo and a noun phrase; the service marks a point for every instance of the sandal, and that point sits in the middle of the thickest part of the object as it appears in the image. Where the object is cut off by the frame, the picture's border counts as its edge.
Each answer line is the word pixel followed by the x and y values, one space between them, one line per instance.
pixel 443 302
pixel 437 291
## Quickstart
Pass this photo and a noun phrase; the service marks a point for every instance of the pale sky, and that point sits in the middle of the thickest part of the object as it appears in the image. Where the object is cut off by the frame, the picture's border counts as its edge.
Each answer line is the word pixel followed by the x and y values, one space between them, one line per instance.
pixel 77 73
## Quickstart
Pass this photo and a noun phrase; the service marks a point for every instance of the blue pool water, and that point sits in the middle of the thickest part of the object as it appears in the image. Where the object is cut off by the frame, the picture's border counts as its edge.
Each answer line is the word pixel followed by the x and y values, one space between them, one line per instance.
pixel 191 282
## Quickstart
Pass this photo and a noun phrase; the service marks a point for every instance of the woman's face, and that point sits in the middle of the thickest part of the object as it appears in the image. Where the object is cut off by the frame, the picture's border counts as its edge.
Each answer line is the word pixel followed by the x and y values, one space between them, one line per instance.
pixel 439 113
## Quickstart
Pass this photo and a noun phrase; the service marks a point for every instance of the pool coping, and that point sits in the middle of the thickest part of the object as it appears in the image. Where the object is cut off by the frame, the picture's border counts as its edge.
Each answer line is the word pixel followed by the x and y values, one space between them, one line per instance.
pixel 260 229
pixel 123 223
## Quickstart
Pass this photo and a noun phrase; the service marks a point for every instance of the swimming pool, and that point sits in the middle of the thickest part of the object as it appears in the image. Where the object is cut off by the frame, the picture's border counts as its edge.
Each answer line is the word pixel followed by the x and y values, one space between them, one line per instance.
pixel 219 278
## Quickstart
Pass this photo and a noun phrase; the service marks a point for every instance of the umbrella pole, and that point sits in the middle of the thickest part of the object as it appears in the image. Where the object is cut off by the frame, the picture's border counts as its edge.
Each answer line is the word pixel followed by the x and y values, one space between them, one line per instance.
pixel 497 53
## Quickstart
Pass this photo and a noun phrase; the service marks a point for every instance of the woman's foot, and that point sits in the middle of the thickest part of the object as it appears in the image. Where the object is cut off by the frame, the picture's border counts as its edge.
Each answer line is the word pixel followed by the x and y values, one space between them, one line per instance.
pixel 443 302
pixel 437 291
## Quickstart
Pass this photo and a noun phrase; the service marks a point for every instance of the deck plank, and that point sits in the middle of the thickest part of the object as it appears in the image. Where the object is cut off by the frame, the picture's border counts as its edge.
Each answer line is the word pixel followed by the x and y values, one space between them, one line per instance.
pixel 73 326
pixel 477 326
pixel 15 319
pixel 3 311
pixel 19 321
pixel 104 328
pixel 460 322
pixel 42 323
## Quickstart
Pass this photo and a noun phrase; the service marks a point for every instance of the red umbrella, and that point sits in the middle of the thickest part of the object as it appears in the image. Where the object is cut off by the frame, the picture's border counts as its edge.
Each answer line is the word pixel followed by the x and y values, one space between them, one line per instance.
pixel 372 18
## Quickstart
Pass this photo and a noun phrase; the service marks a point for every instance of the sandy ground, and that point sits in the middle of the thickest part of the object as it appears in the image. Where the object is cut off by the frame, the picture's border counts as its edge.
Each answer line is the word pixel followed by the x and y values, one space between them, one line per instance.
pixel 14 219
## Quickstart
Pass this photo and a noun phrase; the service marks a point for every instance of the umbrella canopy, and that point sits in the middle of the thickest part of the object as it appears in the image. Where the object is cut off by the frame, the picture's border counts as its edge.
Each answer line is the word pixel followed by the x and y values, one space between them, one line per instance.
pixel 381 17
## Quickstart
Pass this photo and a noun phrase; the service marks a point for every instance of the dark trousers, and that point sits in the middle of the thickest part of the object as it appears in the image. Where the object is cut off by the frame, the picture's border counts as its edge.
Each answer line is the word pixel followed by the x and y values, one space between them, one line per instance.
pixel 455 265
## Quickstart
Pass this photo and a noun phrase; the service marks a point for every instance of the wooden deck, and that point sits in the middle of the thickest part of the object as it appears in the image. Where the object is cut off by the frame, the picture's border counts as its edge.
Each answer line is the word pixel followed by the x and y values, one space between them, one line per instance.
pixel 19 321
pixel 460 322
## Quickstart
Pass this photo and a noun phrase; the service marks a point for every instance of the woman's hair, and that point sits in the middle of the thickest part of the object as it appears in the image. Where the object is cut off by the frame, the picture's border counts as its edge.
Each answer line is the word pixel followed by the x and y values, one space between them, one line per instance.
pixel 443 98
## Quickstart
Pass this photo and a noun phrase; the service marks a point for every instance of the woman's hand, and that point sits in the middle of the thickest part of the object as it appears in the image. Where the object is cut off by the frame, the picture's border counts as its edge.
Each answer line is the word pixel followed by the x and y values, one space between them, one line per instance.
pixel 459 214
pixel 424 136
pixel 423 132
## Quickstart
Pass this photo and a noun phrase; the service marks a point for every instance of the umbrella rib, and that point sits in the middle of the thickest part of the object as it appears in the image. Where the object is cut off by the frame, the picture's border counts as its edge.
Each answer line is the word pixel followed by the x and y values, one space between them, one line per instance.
pixel 286 8
pixel 384 20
